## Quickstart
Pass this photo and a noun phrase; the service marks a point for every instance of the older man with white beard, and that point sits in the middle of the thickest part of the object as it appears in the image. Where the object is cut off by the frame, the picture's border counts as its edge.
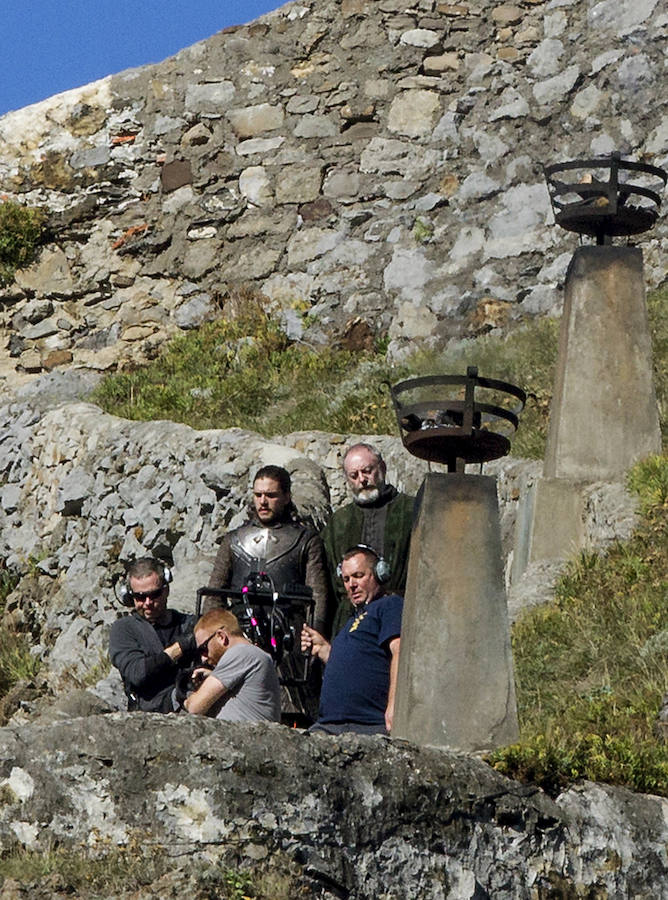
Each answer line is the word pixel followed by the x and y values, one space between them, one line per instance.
pixel 379 517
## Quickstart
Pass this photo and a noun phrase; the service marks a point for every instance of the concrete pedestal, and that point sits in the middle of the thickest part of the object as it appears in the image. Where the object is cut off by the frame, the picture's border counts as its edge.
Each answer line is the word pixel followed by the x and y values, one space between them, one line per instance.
pixel 604 415
pixel 555 511
pixel 455 686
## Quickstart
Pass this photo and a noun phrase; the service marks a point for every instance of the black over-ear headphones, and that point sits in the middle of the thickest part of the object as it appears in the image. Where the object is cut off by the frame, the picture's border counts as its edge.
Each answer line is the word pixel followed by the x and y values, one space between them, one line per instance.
pixel 381 568
pixel 122 587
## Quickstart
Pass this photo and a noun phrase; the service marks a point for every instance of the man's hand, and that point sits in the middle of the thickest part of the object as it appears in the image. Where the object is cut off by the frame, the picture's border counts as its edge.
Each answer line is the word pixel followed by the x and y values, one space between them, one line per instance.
pixel 188 646
pixel 174 651
pixel 209 692
pixel 183 647
pixel 198 675
pixel 314 644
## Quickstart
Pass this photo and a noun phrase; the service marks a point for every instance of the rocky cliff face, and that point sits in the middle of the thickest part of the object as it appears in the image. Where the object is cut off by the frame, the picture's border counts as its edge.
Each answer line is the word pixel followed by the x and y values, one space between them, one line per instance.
pixel 83 493
pixel 359 817
pixel 376 165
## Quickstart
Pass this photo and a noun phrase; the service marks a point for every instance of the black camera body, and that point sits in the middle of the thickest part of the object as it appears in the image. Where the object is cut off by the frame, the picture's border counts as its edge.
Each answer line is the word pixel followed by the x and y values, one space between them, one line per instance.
pixel 270 619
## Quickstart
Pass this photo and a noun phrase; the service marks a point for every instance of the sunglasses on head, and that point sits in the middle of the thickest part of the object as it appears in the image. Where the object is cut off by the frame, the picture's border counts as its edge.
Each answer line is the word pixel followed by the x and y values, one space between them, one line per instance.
pixel 143 596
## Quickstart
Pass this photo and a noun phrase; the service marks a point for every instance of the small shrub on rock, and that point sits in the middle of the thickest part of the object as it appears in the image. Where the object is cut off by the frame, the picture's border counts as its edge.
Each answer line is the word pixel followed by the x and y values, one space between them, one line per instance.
pixel 20 232
pixel 16 661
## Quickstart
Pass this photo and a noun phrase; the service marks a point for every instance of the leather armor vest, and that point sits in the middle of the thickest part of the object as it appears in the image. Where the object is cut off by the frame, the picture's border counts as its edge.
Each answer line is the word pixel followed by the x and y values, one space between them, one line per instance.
pixel 279 551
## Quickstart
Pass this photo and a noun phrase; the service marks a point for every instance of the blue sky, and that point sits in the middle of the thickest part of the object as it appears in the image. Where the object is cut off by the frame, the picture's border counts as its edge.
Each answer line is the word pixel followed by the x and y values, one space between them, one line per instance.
pixel 49 46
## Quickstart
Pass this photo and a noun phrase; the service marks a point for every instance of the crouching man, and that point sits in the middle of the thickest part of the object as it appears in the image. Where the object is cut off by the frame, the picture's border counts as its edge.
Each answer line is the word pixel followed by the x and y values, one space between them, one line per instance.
pixel 243 686
pixel 153 644
pixel 361 663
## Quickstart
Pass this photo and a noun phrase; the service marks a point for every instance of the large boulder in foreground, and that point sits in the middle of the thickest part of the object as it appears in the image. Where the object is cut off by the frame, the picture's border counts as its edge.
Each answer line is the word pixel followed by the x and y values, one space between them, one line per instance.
pixel 358 817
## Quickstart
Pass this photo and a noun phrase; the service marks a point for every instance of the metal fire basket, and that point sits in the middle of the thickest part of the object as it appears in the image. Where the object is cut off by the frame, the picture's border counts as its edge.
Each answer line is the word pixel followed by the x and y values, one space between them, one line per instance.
pixel 594 196
pixel 443 418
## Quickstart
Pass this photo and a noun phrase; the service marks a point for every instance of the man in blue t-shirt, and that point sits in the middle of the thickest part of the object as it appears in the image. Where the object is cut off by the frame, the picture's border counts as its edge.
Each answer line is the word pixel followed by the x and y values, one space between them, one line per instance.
pixel 361 663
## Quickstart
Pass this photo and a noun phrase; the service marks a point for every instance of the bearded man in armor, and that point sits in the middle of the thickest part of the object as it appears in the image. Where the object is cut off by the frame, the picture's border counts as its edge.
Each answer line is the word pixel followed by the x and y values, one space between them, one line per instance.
pixel 277 542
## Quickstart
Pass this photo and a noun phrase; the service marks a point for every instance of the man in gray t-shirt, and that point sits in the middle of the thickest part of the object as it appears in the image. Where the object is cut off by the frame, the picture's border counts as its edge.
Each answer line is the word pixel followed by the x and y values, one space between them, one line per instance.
pixel 243 686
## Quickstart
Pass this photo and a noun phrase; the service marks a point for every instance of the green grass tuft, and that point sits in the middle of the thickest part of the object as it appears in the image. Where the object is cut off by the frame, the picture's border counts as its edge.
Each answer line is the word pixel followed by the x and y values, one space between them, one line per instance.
pixel 16 661
pixel 135 869
pixel 649 480
pixel 592 668
pixel 21 228
pixel 74 872
pixel 245 372
pixel 657 310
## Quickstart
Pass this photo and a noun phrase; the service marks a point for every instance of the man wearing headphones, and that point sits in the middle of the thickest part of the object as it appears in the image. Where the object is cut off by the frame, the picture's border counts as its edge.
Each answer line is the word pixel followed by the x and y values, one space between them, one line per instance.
pixel 153 644
pixel 361 663
pixel 380 516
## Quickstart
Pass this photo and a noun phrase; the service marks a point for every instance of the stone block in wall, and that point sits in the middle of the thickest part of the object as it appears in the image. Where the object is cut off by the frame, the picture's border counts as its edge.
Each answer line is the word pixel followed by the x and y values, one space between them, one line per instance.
pixel 210 99
pixel 254 120
pixel 414 113
pixel 298 184
pixel 49 275
pixel 255 186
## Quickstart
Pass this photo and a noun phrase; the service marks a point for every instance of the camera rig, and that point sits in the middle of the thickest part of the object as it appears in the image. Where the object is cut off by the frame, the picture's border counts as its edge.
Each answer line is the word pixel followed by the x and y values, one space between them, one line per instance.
pixel 270 619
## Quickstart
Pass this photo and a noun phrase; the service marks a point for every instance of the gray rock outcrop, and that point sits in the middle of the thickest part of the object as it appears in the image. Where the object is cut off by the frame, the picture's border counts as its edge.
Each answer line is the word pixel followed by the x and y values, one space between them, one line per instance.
pixel 363 818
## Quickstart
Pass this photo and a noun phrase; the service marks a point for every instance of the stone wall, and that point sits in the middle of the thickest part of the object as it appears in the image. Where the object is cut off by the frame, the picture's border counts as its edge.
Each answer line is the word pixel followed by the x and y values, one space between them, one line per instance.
pixel 361 818
pixel 374 168
pixel 83 492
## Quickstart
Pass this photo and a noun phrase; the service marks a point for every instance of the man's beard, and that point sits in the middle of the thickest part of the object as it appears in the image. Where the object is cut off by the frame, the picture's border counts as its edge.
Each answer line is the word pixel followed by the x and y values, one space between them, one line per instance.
pixel 367 496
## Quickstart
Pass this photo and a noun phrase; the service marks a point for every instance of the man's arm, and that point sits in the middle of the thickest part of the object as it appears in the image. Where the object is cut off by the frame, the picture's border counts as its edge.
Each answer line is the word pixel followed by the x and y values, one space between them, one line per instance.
pixel 201 700
pixel 138 664
pixel 391 694
pixel 314 643
pixel 221 574
pixel 317 579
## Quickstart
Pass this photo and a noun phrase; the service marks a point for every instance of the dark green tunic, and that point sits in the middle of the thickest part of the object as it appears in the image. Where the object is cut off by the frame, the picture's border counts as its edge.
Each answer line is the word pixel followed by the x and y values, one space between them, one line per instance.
pixel 353 524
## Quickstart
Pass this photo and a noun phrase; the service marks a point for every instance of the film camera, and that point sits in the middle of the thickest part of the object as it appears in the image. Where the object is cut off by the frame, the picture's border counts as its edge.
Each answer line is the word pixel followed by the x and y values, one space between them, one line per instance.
pixel 271 619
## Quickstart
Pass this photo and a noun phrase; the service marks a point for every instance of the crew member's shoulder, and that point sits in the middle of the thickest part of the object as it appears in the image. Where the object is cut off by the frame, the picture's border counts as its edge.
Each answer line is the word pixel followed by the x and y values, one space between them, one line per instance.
pixel 119 625
pixel 131 620
pixel 401 499
pixel 247 650
pixel 185 620
pixel 389 601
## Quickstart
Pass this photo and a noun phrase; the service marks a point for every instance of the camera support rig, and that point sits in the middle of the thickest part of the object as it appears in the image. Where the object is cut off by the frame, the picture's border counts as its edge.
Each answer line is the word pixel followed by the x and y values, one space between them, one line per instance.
pixel 270 619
